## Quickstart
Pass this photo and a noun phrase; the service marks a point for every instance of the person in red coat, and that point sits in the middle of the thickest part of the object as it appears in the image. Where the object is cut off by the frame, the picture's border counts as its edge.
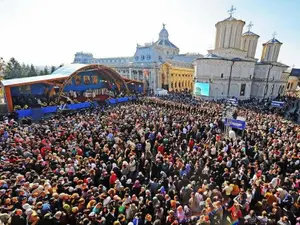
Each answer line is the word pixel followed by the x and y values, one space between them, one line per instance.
pixel 112 179
pixel 161 149
pixel 191 143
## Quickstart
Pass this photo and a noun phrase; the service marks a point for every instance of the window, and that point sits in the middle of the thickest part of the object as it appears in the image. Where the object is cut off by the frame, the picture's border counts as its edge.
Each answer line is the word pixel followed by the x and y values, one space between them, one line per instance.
pixel 222 75
pixel 288 86
pixel 243 89
pixel 250 77
pixel 272 90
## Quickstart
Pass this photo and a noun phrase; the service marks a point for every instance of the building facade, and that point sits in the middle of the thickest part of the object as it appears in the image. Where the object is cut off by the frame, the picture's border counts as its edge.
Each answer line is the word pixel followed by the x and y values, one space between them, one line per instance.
pixel 177 76
pixel 293 80
pixel 231 68
pixel 148 62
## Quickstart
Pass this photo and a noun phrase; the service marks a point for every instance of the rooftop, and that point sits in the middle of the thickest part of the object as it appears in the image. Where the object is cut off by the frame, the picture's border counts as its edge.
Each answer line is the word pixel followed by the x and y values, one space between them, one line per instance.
pixel 60 73
pixel 29 80
pixel 295 72
pixel 230 18
pixel 272 41
pixel 272 63
pixel 250 33
pixel 166 43
pixel 163 39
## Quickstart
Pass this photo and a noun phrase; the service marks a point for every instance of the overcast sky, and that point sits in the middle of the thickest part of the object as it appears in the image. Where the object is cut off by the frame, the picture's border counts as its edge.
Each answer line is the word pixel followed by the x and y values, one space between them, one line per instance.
pixel 50 32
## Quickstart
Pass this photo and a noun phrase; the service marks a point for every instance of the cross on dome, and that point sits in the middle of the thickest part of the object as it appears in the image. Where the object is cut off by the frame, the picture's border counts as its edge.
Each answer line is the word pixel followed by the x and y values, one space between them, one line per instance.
pixel 164 25
pixel 250 25
pixel 274 35
pixel 231 10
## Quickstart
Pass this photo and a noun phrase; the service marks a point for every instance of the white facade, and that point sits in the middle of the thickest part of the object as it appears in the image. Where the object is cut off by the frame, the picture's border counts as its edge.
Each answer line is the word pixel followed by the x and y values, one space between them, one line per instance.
pixel 249 43
pixel 231 68
pixel 217 73
pixel 229 33
pixel 146 61
pixel 269 80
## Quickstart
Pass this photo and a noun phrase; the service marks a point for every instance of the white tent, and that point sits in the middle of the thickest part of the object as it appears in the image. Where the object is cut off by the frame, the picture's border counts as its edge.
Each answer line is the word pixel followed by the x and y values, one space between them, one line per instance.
pixel 161 92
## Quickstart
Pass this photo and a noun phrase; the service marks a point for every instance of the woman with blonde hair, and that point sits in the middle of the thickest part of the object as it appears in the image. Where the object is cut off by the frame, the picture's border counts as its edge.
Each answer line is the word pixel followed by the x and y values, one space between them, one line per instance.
pixel 235 213
pixel 91 204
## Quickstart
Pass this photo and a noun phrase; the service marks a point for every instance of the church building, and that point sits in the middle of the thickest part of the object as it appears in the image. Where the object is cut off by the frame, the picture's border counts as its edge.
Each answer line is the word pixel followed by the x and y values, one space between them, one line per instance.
pixel 231 68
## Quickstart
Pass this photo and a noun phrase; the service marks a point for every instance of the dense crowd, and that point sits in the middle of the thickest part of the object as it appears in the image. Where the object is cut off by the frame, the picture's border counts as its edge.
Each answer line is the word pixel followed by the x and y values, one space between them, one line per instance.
pixel 153 162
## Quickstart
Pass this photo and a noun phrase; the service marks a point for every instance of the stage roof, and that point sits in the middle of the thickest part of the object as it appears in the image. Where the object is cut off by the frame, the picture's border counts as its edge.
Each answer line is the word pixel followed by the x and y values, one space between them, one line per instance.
pixel 61 73
pixel 29 80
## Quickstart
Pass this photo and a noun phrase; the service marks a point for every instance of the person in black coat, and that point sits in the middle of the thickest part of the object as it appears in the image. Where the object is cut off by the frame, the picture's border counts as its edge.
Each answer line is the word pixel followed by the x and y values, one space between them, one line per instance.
pixel 47 220
pixel 17 218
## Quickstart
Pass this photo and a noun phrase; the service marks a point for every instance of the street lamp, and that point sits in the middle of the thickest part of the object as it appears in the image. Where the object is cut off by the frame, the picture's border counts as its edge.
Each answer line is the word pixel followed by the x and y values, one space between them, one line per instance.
pixel 230 75
pixel 267 82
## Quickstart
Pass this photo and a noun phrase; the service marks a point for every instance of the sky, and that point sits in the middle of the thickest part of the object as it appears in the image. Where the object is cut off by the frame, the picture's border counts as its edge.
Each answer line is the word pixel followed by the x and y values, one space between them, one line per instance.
pixel 50 32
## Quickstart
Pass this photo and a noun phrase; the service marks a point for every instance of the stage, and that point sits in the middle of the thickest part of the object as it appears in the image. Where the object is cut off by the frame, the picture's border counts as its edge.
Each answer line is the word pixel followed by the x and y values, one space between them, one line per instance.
pixel 38 113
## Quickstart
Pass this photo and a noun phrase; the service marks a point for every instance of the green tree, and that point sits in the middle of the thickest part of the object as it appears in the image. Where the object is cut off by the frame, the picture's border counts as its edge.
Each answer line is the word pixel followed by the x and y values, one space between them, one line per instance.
pixel 53 68
pixel 41 73
pixel 2 66
pixel 12 69
pixel 32 71
pixel 25 70
pixel 46 71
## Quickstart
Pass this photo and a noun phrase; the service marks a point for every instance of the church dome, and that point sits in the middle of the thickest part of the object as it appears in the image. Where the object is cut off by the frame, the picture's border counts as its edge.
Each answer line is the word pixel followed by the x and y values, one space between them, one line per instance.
pixel 164 39
pixel 163 34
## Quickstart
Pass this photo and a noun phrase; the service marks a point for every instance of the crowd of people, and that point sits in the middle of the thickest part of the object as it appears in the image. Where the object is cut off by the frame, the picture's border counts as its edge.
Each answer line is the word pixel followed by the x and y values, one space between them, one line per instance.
pixel 158 161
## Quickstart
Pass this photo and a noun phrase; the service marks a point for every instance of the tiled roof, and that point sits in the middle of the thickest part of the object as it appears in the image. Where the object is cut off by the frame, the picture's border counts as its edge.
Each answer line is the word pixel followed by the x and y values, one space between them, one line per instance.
pixel 249 33
pixel 272 41
pixel 166 43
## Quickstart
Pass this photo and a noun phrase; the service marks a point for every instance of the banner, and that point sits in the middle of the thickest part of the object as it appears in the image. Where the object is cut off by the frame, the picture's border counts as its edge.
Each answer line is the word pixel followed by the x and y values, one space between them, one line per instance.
pixel 277 104
pixel 232 101
pixel 237 124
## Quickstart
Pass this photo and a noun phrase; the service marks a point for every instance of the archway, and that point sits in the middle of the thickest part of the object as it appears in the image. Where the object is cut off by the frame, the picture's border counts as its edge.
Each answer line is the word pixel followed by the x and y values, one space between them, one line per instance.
pixel 92 77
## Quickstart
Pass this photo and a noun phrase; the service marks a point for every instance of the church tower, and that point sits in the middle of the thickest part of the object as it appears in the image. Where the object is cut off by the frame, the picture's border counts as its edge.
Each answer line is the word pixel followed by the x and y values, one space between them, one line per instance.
pixel 249 42
pixel 229 32
pixel 271 50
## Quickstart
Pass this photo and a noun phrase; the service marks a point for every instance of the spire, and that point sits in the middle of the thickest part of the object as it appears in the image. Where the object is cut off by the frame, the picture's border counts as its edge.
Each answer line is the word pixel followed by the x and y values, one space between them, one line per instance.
pixel 231 11
pixel 250 25
pixel 164 26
